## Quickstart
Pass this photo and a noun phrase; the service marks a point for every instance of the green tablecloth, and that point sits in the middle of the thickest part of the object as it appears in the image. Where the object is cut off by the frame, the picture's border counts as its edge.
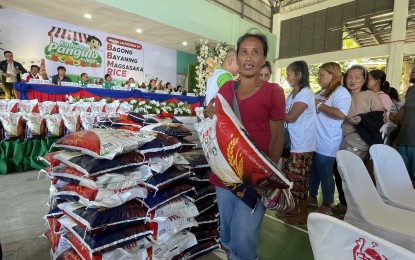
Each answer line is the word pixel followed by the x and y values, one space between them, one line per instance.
pixel 21 155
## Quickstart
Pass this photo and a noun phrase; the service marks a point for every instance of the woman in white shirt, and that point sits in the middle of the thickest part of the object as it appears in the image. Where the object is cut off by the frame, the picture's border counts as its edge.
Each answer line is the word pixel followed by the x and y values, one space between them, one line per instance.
pixel 332 105
pixel 300 122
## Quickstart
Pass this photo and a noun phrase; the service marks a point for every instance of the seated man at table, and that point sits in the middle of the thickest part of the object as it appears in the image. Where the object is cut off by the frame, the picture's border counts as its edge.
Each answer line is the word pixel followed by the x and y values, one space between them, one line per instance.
pixel 58 78
pixel 10 71
pixel 108 82
pixel 33 73
pixel 84 80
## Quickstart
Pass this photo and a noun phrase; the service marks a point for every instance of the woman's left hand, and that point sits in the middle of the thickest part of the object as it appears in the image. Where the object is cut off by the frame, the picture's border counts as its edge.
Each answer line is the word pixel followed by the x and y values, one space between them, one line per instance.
pixel 355 120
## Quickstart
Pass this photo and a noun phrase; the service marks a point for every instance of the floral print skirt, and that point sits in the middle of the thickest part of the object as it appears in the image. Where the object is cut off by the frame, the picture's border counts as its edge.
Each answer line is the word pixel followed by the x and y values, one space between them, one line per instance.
pixel 297 168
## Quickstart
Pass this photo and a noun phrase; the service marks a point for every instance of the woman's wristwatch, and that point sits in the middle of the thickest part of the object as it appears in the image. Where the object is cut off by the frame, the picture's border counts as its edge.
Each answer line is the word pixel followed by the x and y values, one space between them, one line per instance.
pixel 321 102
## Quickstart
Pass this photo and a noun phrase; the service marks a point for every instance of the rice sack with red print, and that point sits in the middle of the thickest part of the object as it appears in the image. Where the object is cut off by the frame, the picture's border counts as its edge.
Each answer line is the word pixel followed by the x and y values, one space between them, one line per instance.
pixel 9 106
pixel 28 106
pixel 12 126
pixel 104 143
pixel 232 155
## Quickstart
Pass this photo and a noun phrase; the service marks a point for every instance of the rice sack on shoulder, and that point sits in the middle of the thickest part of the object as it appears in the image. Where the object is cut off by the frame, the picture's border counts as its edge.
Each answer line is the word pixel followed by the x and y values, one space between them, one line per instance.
pixel 232 155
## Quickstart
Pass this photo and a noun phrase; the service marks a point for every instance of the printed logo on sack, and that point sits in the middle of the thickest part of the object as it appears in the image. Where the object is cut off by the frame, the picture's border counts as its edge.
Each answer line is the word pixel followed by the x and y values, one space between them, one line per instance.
pixel 363 251
pixel 73 48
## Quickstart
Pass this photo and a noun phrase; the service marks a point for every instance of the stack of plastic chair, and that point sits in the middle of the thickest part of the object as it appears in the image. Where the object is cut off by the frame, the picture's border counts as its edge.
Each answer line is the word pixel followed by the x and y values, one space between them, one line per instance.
pixel 365 208
pixel 392 179
pixel 332 238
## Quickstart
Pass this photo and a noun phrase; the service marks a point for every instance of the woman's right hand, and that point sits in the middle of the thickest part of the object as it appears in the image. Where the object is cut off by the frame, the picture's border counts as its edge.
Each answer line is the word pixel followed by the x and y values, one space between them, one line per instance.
pixel 210 109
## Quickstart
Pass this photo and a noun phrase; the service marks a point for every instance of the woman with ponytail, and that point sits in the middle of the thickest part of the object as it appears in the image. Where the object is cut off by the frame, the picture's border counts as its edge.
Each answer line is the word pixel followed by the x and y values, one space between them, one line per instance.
pixel 378 84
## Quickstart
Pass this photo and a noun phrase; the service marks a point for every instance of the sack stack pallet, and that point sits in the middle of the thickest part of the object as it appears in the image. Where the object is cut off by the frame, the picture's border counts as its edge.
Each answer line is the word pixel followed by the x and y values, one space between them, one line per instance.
pixel 118 193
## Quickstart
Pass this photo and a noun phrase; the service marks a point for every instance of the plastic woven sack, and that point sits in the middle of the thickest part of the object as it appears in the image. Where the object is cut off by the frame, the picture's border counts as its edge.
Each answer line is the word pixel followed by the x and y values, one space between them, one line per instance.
pixel 9 106
pixel 135 117
pixel 12 126
pixel 232 155
pixel 160 145
pixel 203 191
pixel 83 106
pixel 96 220
pixel 91 166
pixel 97 107
pixel 88 120
pixel 49 160
pixel 28 106
pixel 35 126
pixel 164 230
pixel 172 129
pixel 179 206
pixel 198 250
pixel 104 241
pixel 191 160
pixel 47 107
pixel 65 107
pixel 112 108
pixel 207 234
pixel 104 143
pixel 174 246
pixel 71 122
pixel 157 198
pixel 54 125
pixel 125 107
pixel 128 251
pixel 169 177
pixel 97 198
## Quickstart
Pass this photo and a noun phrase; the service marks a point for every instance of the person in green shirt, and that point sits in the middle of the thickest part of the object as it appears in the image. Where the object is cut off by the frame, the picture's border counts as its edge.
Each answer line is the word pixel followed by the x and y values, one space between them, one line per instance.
pixel 84 80
pixel 221 75
pixel 108 82
pixel 152 85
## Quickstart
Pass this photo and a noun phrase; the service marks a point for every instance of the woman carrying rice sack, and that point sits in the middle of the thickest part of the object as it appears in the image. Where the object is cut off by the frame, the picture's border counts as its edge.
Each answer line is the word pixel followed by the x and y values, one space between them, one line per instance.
pixel 300 115
pixel 262 111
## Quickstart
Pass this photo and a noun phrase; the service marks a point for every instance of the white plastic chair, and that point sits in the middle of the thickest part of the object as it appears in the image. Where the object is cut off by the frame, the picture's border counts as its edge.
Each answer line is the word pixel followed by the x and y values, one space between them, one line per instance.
pixel 392 179
pixel 365 208
pixel 332 238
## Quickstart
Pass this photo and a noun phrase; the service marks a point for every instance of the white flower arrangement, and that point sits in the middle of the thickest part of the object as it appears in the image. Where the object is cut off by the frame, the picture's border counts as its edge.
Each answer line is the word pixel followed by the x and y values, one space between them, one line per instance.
pixel 143 106
pixel 208 60
pixel 156 107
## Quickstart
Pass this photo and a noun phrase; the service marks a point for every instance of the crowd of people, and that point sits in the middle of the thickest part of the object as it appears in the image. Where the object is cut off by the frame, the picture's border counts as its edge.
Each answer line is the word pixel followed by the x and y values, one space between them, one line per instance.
pixel 13 71
pixel 352 111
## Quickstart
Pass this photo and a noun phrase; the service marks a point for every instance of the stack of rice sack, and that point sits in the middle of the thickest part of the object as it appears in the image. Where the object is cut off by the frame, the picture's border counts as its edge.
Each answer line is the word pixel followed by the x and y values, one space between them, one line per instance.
pixel 97 179
pixel 204 198
pixel 207 230
pixel 189 169
pixel 112 187
pixel 28 119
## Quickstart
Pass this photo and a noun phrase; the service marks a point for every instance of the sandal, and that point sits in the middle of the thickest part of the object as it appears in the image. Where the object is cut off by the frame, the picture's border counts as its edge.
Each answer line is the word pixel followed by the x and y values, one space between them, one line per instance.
pixel 325 210
pixel 311 201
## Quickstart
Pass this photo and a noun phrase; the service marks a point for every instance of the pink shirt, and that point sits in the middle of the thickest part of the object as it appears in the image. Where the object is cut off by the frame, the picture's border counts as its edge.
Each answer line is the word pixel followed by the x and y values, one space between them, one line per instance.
pixel 268 103
pixel 387 104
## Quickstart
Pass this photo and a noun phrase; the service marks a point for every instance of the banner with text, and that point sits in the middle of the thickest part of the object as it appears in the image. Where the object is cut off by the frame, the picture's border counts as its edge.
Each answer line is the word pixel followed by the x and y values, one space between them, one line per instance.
pixel 33 39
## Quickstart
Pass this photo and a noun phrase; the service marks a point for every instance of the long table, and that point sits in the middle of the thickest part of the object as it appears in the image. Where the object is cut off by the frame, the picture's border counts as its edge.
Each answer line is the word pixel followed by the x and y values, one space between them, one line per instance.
pixel 41 92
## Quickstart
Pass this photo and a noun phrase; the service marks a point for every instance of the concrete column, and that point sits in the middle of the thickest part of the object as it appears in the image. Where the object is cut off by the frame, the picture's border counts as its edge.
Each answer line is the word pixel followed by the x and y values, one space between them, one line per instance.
pixel 276 29
pixel 398 35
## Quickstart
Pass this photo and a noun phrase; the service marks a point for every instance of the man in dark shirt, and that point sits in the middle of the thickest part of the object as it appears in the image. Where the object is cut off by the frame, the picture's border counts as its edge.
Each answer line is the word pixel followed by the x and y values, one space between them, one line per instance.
pixel 58 78
pixel 10 71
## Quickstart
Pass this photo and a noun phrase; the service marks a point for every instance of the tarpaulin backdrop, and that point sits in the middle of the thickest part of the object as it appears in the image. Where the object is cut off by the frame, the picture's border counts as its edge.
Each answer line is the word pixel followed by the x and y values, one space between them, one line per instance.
pixel 32 38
